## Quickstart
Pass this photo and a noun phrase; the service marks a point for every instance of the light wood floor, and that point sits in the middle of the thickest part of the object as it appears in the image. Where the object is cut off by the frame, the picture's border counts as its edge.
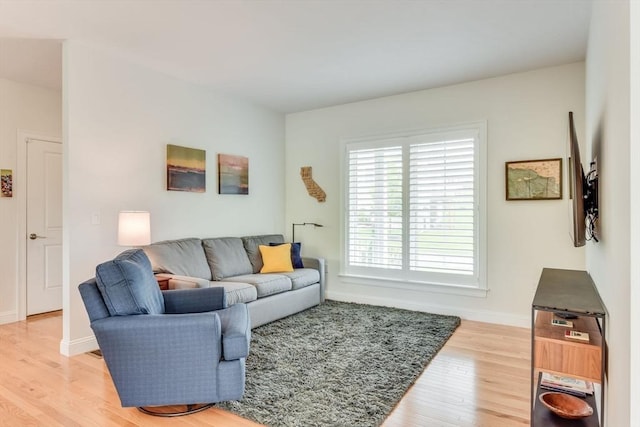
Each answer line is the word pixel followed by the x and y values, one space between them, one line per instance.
pixel 480 378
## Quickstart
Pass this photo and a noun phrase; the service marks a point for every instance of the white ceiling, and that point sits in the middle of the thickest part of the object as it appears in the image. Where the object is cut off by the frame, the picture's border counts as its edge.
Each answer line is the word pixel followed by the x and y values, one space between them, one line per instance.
pixel 295 55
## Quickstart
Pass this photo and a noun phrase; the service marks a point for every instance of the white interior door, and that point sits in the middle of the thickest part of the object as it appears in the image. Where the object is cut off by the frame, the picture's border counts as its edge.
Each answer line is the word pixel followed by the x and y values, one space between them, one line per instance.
pixel 44 226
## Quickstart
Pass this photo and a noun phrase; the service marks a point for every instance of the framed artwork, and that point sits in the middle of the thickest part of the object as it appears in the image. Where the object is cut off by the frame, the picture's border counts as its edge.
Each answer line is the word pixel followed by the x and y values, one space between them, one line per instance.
pixel 233 174
pixel 534 179
pixel 6 176
pixel 186 169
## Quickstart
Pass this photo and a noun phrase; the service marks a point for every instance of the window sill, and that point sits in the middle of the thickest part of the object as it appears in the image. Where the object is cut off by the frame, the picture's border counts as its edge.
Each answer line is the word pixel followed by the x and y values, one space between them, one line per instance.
pixel 414 285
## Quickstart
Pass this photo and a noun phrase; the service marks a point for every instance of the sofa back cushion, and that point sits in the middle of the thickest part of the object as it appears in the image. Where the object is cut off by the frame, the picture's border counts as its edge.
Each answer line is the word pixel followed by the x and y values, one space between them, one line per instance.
pixel 184 257
pixel 127 285
pixel 276 259
pixel 251 244
pixel 296 257
pixel 226 257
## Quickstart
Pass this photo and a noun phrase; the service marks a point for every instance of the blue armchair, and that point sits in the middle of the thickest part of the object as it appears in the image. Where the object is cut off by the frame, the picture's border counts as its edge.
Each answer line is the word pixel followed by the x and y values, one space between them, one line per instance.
pixel 177 347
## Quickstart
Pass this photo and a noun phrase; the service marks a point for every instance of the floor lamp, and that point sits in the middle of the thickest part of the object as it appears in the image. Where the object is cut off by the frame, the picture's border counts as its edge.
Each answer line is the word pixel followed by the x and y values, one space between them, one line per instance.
pixel 293 228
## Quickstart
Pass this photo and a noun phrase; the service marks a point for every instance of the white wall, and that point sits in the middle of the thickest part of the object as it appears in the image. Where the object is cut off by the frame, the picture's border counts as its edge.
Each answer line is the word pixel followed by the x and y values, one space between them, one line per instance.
pixel 608 135
pixel 38 111
pixel 634 141
pixel 119 118
pixel 527 118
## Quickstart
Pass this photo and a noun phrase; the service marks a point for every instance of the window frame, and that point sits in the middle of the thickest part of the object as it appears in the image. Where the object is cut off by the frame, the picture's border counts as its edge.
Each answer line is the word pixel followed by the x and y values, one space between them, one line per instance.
pixel 405 278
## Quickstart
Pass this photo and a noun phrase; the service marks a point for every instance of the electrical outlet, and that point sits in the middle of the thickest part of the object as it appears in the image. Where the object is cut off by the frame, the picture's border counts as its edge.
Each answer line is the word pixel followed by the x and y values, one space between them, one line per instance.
pixel 95 218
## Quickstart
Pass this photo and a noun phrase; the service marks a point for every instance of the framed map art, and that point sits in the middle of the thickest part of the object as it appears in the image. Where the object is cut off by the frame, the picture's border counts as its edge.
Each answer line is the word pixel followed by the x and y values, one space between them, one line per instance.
pixel 534 179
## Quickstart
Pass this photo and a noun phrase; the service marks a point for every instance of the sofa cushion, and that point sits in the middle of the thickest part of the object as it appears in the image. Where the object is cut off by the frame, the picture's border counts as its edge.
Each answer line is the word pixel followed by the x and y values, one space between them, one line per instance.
pixel 238 292
pixel 265 284
pixel 303 277
pixel 276 259
pixel 127 285
pixel 226 257
pixel 251 244
pixel 296 258
pixel 184 257
pixel 184 282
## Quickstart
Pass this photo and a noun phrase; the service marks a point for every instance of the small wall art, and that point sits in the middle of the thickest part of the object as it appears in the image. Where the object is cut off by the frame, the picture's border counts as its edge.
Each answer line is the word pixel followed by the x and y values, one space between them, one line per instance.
pixel 233 174
pixel 313 188
pixel 6 176
pixel 534 179
pixel 186 169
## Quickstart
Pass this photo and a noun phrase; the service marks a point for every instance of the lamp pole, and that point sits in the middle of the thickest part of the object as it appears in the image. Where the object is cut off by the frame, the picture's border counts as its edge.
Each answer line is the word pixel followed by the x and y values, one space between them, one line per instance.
pixel 293 228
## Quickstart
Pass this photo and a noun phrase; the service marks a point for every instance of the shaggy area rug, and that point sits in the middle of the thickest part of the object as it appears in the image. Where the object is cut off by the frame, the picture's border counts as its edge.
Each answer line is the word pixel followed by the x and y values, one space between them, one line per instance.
pixel 337 364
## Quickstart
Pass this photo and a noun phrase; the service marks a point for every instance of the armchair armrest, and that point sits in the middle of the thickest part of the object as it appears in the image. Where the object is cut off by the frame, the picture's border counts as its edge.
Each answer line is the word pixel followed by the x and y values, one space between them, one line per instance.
pixel 197 300
pixel 236 331
pixel 150 354
pixel 162 332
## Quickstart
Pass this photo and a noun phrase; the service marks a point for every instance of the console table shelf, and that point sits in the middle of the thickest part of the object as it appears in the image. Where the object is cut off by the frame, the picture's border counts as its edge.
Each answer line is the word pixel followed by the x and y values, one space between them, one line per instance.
pixel 573 293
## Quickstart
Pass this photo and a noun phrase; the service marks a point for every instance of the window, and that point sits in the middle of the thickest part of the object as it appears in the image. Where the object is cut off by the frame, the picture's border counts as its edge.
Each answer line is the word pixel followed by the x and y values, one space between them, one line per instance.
pixel 415 209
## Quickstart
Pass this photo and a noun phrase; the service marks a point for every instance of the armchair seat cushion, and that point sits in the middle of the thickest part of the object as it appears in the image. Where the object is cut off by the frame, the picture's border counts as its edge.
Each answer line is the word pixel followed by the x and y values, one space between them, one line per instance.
pixel 127 285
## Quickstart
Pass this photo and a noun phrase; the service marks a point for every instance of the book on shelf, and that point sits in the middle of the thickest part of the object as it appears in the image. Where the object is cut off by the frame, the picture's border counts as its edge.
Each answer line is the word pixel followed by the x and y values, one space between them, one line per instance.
pixel 577 335
pixel 562 322
pixel 564 384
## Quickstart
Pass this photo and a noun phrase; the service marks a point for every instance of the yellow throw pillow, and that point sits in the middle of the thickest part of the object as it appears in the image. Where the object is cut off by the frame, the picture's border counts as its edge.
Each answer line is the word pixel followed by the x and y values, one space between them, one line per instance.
pixel 276 259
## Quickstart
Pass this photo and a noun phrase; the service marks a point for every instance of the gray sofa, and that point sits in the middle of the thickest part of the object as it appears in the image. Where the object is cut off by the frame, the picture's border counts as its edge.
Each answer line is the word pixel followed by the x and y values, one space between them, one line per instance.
pixel 234 264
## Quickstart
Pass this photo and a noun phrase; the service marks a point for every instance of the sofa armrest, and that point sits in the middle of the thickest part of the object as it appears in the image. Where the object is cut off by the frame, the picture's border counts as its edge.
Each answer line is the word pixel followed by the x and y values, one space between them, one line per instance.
pixel 197 300
pixel 318 264
pixel 184 282
pixel 236 331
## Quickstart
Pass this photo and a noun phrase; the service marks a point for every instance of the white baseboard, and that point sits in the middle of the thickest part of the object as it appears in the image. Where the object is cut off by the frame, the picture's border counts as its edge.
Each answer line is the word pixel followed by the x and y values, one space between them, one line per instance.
pixel 509 319
pixel 8 317
pixel 78 346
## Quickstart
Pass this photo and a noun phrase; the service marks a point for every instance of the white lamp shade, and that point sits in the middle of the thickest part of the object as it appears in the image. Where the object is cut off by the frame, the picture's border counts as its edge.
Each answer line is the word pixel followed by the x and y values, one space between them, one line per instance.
pixel 134 228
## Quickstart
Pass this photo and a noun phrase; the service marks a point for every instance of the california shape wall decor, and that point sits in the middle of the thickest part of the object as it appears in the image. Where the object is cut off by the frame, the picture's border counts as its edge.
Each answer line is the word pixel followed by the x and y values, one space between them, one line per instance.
pixel 313 188
pixel 186 169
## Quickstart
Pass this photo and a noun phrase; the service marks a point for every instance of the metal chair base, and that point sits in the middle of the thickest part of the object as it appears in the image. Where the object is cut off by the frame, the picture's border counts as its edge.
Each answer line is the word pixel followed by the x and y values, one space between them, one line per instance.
pixel 190 409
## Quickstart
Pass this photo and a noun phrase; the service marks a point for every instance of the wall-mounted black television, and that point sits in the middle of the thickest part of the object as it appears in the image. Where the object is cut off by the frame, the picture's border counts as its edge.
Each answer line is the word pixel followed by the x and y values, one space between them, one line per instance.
pixel 584 192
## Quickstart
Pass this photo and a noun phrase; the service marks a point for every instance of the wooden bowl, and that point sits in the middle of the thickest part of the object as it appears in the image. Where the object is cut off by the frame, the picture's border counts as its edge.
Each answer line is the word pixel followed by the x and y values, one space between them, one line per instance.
pixel 565 405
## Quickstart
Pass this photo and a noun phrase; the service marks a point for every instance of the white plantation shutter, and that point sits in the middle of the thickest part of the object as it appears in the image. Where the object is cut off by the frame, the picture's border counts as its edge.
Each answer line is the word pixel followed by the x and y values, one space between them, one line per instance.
pixel 415 207
pixel 375 207
pixel 442 206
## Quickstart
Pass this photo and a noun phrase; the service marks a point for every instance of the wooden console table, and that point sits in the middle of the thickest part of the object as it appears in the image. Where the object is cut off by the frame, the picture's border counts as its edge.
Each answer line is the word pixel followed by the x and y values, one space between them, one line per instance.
pixel 567 292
